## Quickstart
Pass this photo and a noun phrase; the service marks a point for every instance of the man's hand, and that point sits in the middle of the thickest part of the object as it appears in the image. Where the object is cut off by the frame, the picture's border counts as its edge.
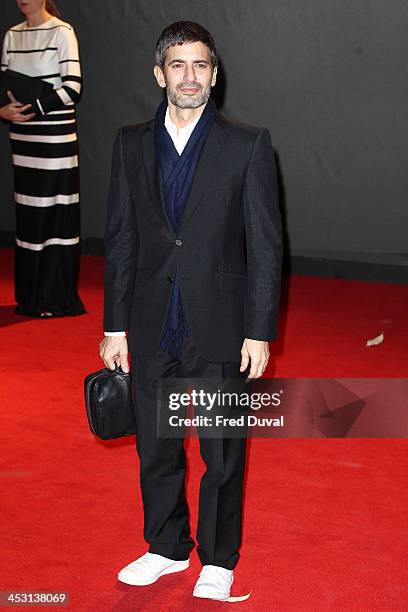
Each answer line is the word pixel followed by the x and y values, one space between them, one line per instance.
pixel 257 352
pixel 114 350
pixel 14 111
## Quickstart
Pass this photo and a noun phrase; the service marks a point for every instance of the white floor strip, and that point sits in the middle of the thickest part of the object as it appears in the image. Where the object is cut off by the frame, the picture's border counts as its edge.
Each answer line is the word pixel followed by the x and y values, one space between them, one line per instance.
pixel 41 202
pixel 32 246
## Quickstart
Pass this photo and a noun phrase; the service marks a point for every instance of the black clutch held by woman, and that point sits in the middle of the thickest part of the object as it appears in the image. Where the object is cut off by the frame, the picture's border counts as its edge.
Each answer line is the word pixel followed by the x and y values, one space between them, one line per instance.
pixel 109 403
pixel 25 88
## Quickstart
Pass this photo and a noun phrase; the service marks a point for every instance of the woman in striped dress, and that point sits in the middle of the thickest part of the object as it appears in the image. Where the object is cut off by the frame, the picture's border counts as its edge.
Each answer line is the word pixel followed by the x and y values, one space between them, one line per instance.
pixel 45 160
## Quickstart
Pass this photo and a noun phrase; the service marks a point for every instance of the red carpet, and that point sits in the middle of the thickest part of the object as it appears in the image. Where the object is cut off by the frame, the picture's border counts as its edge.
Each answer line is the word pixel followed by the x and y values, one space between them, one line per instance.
pixel 325 523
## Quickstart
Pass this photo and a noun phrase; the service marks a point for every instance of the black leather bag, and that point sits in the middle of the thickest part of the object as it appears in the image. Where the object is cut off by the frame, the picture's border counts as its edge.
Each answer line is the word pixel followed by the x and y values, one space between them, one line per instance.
pixel 25 88
pixel 109 403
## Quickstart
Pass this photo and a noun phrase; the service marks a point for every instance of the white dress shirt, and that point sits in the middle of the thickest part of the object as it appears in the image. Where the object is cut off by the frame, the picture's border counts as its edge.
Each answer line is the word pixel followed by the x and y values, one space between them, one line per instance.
pixel 180 137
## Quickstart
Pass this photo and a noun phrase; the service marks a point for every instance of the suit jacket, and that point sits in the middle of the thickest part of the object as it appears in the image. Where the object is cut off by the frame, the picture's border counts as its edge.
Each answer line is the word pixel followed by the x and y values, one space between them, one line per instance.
pixel 228 250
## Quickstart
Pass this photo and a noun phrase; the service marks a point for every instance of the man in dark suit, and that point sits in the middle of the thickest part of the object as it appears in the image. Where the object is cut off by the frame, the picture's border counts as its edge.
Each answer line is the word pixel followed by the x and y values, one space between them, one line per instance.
pixel 193 264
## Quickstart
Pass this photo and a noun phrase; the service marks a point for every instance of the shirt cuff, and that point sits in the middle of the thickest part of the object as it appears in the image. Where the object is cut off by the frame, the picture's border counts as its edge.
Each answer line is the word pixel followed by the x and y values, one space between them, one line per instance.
pixel 120 333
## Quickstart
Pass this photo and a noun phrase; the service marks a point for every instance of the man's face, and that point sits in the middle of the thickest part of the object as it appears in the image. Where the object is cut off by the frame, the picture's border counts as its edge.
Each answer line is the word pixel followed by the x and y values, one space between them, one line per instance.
pixel 188 74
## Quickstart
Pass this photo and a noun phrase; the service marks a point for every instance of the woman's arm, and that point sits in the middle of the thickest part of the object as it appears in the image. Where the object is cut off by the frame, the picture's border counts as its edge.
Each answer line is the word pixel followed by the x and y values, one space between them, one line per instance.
pixel 4 54
pixel 70 69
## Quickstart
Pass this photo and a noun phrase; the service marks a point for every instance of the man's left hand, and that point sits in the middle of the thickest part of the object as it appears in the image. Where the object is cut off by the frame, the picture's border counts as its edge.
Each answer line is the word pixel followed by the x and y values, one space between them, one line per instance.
pixel 256 352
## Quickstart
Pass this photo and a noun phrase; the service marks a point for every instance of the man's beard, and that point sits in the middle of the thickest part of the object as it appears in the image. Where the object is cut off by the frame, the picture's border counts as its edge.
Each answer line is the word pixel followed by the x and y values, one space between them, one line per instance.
pixel 188 102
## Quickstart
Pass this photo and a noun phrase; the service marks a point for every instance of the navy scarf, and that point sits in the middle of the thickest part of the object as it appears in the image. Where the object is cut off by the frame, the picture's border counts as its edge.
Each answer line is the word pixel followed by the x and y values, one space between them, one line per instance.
pixel 178 173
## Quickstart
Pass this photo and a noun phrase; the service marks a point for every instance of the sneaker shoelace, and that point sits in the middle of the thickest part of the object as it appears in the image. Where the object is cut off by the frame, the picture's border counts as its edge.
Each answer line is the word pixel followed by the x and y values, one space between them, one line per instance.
pixel 147 558
pixel 143 560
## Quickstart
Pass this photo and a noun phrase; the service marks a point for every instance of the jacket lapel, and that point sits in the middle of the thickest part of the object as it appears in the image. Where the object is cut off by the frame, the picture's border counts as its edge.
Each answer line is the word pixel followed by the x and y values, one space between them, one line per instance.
pixel 206 168
pixel 153 176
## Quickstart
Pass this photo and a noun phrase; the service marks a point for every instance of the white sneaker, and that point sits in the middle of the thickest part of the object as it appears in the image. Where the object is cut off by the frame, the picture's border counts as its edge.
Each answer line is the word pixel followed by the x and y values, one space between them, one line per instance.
pixel 214 583
pixel 148 568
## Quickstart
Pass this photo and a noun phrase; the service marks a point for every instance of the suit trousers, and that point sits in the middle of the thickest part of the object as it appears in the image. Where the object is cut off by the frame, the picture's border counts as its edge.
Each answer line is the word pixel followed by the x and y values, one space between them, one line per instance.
pixel 163 468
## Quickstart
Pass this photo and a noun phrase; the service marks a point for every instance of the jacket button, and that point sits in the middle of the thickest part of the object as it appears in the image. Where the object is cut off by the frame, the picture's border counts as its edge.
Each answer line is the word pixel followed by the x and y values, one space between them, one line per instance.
pixel 170 279
pixel 178 242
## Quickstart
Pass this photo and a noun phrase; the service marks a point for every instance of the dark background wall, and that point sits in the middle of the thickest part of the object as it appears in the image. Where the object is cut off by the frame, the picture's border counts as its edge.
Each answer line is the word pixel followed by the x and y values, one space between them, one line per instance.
pixel 327 77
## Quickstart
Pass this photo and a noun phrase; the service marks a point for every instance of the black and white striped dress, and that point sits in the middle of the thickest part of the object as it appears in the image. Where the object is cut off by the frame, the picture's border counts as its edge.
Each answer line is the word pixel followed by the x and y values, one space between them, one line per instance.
pixel 46 172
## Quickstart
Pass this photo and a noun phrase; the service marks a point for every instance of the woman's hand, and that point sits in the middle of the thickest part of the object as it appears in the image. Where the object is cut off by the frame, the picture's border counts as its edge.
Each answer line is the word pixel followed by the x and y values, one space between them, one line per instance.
pixel 14 111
